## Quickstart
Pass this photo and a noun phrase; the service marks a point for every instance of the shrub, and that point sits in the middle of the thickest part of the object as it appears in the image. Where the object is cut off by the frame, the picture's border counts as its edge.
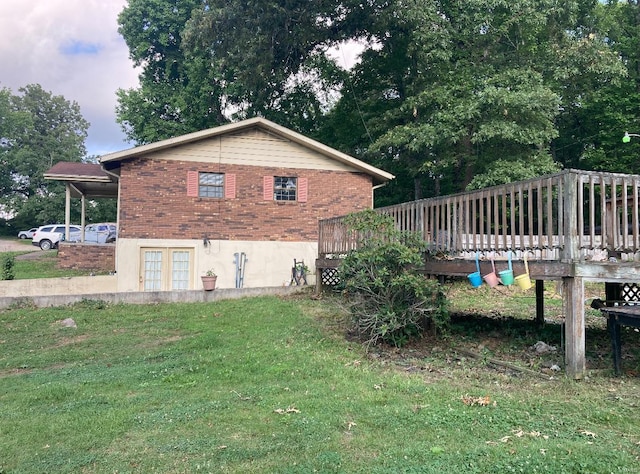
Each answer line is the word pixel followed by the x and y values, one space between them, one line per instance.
pixel 388 299
pixel 7 263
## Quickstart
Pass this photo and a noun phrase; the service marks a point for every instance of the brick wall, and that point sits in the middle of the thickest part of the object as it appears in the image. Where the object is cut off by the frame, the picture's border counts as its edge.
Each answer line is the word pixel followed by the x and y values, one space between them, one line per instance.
pixel 99 258
pixel 154 202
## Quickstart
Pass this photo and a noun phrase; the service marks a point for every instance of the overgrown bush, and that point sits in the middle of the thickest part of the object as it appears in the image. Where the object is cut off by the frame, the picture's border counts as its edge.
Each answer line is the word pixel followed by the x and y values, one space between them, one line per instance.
pixel 7 263
pixel 388 299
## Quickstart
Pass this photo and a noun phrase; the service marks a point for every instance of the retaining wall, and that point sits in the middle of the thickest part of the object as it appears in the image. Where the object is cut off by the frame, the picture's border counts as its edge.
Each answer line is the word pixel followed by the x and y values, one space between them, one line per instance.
pixel 147 297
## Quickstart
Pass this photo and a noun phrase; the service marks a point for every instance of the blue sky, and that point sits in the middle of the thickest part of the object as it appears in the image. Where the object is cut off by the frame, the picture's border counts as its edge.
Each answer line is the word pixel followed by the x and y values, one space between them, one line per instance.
pixel 71 48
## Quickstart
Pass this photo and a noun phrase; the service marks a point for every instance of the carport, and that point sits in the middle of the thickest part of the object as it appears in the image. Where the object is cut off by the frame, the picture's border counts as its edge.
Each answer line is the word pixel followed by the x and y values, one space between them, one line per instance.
pixel 82 181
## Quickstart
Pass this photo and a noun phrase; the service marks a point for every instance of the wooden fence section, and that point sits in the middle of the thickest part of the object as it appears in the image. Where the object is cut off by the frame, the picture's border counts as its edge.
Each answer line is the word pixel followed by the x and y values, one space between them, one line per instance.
pixel 567 216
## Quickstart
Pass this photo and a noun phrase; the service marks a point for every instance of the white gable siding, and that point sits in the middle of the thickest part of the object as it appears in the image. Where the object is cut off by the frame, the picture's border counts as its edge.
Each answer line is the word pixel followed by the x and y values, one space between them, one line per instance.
pixel 252 148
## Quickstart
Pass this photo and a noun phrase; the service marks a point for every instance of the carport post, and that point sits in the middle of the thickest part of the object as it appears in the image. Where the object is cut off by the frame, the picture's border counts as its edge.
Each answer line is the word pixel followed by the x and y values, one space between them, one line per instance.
pixel 82 216
pixel 67 210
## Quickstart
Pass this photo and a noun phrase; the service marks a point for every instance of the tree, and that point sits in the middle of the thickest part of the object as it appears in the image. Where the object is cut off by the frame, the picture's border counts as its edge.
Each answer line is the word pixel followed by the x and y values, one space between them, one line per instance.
pixel 591 131
pixel 273 53
pixel 206 62
pixel 469 94
pixel 37 130
pixel 180 91
pixel 448 95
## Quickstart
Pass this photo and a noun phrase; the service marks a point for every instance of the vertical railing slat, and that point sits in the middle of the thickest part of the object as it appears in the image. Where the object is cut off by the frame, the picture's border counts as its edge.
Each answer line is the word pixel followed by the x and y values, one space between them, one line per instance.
pixel 496 221
pixel 549 212
pixel 530 213
pixel 512 215
pixel 634 214
pixel 505 226
pixel 540 215
pixel 624 218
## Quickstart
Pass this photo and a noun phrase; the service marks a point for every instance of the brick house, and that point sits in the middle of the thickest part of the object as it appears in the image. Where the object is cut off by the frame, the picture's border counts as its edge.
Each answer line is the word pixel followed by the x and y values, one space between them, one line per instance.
pixel 243 199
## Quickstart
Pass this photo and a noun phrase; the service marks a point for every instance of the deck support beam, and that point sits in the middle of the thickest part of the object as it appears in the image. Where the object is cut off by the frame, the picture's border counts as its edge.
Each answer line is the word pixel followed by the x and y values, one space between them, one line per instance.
pixel 540 302
pixel 573 302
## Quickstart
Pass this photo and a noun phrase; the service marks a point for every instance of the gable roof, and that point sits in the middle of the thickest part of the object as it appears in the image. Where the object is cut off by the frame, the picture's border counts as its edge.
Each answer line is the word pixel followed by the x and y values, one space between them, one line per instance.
pixel 379 176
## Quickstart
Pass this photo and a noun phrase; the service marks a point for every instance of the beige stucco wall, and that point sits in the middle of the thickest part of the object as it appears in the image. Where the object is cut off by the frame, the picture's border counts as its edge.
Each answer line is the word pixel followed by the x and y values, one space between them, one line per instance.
pixel 58 286
pixel 268 263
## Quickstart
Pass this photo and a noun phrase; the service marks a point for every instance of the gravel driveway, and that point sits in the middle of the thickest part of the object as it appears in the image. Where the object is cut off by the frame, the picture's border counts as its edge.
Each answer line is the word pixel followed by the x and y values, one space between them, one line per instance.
pixel 7 245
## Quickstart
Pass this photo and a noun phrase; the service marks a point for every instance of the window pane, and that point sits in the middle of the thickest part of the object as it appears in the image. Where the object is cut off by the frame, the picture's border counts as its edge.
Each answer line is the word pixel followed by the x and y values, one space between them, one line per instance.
pixel 152 270
pixel 180 270
pixel 284 188
pixel 211 185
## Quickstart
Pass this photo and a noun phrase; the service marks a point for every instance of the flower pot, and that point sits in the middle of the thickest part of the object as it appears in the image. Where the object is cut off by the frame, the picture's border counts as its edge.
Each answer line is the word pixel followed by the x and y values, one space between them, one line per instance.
pixel 209 282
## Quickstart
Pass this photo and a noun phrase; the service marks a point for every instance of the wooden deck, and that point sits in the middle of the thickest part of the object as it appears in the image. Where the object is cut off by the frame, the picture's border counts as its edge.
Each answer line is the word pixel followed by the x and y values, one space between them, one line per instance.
pixel 573 226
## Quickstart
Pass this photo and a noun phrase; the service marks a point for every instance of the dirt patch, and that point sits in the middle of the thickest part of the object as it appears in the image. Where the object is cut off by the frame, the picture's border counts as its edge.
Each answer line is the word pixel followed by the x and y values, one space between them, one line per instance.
pixel 66 341
pixel 509 346
pixel 38 254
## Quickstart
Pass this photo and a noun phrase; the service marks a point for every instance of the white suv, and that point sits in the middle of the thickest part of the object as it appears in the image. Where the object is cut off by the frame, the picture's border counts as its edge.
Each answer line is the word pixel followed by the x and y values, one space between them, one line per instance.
pixel 48 236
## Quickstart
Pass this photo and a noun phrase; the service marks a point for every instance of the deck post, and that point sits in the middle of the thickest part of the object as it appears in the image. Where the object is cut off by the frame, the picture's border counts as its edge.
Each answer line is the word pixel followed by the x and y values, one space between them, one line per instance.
pixel 571 251
pixel 540 302
pixel 573 308
pixel 318 290
pixel 573 287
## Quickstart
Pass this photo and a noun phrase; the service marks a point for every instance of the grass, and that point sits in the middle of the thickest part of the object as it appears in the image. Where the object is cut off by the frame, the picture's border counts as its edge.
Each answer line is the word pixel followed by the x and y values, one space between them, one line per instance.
pixel 44 266
pixel 272 385
pixel 34 263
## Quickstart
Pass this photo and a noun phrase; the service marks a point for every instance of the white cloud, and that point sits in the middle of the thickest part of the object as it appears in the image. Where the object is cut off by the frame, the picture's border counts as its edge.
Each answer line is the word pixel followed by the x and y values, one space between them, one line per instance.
pixel 71 48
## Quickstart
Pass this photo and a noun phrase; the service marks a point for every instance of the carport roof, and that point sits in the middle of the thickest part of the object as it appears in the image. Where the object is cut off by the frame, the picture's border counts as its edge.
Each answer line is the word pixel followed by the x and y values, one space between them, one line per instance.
pixel 85 179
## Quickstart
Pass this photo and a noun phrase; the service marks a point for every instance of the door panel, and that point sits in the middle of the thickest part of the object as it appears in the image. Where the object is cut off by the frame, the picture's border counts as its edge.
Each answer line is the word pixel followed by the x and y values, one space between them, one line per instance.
pixel 152 279
pixel 180 269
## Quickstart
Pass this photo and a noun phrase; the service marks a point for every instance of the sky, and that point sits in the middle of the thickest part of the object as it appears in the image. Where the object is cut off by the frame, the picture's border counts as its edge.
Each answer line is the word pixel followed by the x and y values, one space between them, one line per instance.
pixel 71 48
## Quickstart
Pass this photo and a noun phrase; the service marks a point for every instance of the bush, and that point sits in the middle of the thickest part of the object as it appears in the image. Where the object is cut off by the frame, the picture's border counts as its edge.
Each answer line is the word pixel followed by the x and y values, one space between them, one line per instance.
pixel 7 262
pixel 388 299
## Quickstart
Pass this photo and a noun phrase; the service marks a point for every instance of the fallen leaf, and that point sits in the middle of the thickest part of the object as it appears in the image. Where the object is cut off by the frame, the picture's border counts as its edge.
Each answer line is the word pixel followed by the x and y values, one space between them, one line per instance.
pixel 281 411
pixel 481 401
pixel 588 433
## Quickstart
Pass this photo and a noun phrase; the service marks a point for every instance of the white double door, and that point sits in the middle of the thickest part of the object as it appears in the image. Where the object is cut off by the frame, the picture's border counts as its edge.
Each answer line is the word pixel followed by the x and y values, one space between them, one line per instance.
pixel 163 269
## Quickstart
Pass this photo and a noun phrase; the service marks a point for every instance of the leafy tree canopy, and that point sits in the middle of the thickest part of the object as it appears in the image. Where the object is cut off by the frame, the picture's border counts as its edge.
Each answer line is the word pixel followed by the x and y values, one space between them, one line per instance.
pixel 447 94
pixel 37 130
pixel 459 93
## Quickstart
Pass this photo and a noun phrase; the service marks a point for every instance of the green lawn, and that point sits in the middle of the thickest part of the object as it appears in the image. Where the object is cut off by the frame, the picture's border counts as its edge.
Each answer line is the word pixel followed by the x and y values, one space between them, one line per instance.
pixel 35 263
pixel 271 385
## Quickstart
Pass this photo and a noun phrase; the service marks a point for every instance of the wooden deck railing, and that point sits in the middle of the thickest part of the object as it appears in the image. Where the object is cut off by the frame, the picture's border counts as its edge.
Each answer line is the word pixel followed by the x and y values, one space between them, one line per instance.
pixel 565 216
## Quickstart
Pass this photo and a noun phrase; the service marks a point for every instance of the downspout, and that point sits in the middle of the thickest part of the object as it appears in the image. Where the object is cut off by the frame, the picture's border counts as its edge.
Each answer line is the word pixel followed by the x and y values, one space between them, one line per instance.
pixel 378 186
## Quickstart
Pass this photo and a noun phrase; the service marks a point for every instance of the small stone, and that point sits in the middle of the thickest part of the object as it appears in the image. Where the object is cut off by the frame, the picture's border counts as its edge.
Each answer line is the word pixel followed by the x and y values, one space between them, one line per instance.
pixel 68 323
